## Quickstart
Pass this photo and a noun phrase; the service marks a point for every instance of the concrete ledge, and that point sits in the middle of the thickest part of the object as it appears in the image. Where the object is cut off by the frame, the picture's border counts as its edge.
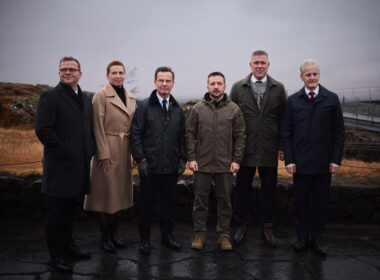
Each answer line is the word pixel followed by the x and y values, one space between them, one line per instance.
pixel 20 198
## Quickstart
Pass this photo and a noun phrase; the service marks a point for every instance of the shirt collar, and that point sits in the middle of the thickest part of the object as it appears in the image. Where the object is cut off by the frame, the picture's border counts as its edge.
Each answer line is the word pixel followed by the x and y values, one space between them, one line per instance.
pixel 316 91
pixel 264 80
pixel 160 99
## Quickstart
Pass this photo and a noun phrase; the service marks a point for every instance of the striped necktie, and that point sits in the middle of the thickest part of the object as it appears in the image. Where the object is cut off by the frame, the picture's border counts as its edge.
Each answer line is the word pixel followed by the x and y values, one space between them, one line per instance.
pixel 259 84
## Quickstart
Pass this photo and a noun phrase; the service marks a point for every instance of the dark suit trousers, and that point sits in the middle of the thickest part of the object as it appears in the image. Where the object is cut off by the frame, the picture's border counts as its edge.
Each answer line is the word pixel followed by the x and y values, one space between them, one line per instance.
pixel 166 186
pixel 59 224
pixel 243 191
pixel 311 203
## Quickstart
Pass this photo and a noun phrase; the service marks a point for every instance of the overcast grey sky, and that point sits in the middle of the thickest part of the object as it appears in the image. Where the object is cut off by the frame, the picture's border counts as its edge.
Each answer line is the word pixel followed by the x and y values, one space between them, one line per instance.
pixel 194 37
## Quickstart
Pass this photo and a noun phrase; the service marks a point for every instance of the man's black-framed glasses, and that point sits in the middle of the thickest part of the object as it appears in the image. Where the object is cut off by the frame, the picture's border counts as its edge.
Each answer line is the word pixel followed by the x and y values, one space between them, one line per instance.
pixel 71 70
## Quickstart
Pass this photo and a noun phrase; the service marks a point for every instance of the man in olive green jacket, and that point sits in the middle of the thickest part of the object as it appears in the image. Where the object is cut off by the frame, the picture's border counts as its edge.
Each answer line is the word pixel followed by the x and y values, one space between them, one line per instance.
pixel 262 101
pixel 215 146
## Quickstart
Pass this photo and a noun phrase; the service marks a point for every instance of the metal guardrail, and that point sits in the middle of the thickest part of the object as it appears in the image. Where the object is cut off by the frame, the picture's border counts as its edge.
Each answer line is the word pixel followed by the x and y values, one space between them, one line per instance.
pixel 362 114
pixel 358 94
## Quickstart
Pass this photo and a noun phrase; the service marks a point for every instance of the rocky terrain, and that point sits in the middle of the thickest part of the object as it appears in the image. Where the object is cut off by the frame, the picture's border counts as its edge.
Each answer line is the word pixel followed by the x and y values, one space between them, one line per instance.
pixel 18 104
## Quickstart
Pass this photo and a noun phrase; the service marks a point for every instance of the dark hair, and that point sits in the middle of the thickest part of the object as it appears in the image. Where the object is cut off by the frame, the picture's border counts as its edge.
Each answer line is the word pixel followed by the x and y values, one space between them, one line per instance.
pixel 163 69
pixel 69 58
pixel 259 52
pixel 216 73
pixel 114 63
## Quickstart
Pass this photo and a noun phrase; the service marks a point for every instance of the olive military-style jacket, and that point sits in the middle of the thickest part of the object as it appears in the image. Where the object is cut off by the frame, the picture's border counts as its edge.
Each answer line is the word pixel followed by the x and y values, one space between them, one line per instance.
pixel 215 135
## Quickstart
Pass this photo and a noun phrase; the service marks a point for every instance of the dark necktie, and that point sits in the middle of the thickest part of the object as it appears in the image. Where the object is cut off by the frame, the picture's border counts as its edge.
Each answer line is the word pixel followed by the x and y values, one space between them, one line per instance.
pixel 259 84
pixel 164 107
pixel 312 94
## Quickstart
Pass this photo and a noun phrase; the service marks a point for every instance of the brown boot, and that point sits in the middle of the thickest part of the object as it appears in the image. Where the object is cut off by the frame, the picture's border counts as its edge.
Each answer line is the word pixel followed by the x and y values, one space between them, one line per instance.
pixel 198 242
pixel 224 241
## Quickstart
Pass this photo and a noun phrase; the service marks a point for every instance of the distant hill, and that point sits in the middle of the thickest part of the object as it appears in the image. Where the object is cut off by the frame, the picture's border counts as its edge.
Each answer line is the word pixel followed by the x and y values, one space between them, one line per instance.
pixel 25 90
pixel 18 103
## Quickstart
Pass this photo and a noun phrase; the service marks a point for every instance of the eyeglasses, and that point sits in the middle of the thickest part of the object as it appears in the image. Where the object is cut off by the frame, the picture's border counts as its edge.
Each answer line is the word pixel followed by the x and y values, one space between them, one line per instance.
pixel 71 70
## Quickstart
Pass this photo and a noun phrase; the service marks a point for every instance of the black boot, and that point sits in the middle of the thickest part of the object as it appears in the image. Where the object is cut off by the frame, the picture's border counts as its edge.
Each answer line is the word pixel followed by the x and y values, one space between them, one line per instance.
pixel 116 241
pixel 105 241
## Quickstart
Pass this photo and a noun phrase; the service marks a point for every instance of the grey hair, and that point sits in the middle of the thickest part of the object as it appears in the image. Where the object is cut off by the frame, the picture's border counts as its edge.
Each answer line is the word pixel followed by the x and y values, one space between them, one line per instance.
pixel 307 62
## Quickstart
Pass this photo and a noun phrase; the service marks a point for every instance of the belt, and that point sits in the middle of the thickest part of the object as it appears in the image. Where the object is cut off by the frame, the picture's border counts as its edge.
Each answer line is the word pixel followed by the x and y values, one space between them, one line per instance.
pixel 122 135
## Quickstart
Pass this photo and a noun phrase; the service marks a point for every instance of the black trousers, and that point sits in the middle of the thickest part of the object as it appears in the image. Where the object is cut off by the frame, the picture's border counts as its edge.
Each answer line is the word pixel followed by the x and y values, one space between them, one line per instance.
pixel 166 186
pixel 59 224
pixel 243 190
pixel 311 203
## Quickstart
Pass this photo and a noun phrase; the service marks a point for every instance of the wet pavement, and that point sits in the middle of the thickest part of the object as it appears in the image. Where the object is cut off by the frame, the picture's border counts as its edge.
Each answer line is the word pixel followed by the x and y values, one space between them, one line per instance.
pixel 354 253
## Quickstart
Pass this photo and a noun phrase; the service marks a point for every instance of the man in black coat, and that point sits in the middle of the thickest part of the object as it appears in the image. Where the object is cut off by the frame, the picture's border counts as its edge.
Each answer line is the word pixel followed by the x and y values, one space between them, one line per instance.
pixel 313 140
pixel 158 145
pixel 64 126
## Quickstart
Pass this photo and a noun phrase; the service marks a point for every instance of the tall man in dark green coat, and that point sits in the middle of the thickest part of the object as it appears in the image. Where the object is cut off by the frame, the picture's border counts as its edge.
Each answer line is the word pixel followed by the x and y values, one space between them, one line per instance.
pixel 215 146
pixel 262 101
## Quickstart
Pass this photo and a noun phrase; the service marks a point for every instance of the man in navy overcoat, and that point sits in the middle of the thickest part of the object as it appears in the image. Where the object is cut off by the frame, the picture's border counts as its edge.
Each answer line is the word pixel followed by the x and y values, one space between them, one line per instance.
pixel 313 139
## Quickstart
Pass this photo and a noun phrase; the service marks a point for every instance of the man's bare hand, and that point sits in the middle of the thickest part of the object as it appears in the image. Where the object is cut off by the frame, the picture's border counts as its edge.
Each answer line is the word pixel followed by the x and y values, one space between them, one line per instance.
pixel 234 167
pixel 334 168
pixel 193 165
pixel 291 168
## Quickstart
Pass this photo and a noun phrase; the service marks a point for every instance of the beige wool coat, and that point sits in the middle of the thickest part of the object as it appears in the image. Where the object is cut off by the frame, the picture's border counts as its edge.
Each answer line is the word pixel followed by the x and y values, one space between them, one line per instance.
pixel 112 191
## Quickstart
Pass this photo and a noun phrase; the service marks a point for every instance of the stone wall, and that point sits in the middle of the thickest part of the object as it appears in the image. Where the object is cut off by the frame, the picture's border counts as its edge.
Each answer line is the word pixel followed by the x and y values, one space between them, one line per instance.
pixel 20 198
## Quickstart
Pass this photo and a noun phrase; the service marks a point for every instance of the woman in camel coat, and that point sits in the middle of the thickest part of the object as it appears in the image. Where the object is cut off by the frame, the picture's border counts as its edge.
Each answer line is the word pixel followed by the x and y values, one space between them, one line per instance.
pixel 111 173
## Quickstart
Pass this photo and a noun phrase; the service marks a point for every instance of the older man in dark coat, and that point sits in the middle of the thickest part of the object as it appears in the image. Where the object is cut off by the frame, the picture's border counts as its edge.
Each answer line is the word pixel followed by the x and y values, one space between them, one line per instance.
pixel 64 126
pixel 313 139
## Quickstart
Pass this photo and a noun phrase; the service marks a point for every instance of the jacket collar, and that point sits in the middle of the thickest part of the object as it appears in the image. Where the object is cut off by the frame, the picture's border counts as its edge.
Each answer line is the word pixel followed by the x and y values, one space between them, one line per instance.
pixel 208 99
pixel 270 81
pixel 153 99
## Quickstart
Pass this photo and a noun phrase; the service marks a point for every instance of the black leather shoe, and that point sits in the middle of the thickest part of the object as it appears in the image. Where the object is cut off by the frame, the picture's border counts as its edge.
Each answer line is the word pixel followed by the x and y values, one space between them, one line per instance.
pixel 75 251
pixel 145 246
pixel 169 241
pixel 60 265
pixel 268 237
pixel 318 248
pixel 300 245
pixel 240 234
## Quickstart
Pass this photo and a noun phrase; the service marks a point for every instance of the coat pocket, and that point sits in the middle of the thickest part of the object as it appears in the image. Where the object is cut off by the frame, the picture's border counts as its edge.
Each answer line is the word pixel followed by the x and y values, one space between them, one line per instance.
pixel 151 155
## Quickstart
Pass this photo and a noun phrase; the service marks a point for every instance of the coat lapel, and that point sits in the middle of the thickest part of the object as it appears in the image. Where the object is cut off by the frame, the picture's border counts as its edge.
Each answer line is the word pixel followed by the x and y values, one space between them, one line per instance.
pixel 267 93
pixel 321 95
pixel 131 102
pixel 66 95
pixel 114 98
